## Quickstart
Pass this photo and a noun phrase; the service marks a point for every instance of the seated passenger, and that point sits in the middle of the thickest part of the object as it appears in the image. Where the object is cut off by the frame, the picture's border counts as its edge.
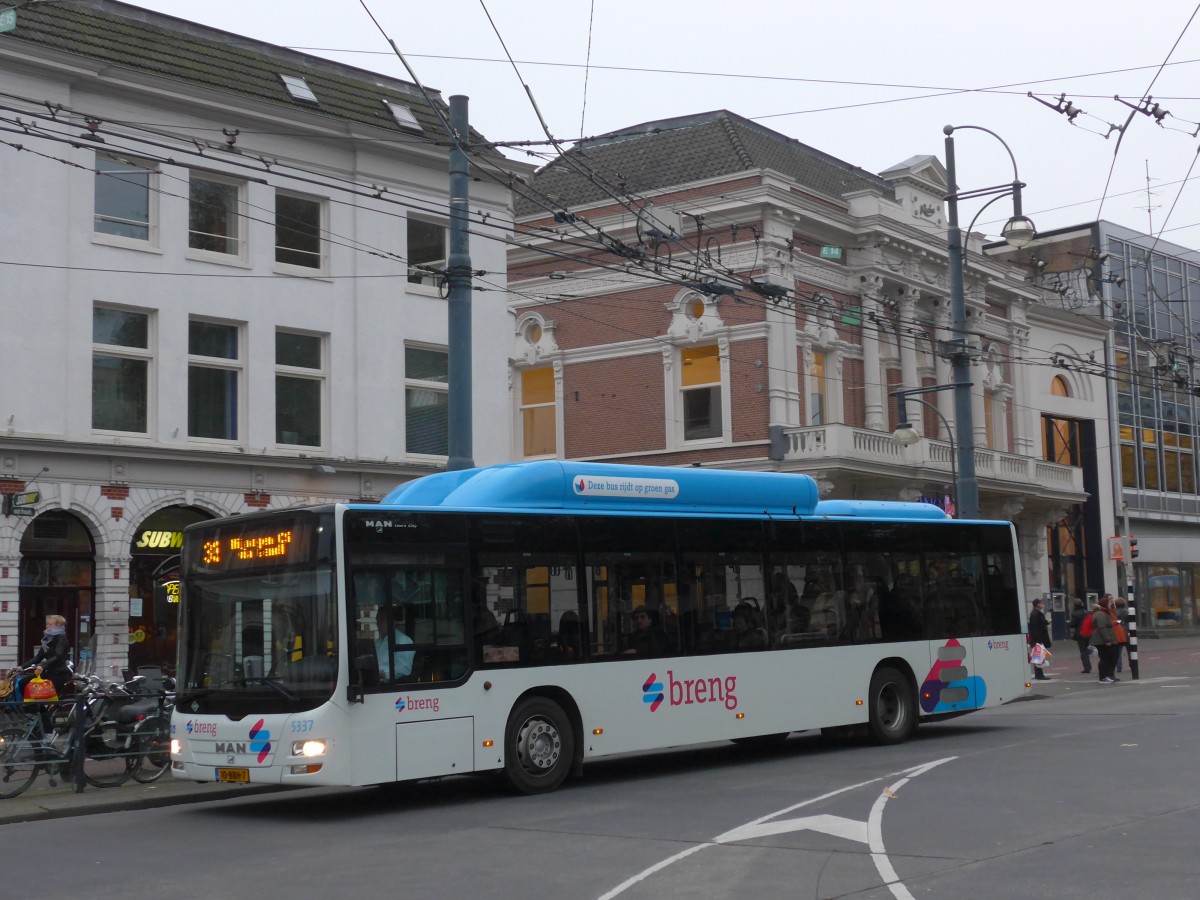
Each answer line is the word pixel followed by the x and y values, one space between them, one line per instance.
pixel 645 639
pixel 746 633
pixel 402 660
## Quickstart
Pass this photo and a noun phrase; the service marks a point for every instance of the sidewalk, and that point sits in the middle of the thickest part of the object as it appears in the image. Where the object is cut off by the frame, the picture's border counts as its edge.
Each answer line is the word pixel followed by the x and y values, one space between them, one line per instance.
pixel 44 802
pixel 1158 658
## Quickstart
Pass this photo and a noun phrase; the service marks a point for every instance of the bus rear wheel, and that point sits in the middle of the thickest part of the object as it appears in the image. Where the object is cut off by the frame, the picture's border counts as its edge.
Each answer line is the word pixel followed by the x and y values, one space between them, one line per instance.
pixel 540 746
pixel 893 707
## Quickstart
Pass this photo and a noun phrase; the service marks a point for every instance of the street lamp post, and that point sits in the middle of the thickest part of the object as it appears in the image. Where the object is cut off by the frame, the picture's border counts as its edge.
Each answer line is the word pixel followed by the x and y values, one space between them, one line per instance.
pixel 906 435
pixel 1019 232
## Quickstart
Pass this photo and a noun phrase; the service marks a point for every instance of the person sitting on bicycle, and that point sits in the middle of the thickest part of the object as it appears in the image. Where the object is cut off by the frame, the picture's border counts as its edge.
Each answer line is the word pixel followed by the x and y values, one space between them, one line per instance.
pixel 53 658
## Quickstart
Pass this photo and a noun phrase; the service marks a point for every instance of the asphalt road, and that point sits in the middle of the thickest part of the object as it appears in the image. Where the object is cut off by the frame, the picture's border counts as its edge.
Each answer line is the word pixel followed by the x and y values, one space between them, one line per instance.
pixel 1086 791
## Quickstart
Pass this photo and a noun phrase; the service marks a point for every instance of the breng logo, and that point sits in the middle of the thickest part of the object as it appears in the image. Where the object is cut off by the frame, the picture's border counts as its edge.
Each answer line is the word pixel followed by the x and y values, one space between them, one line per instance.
pixel 209 728
pixel 997 645
pixel 400 704
pixel 652 692
pixel 260 740
pixel 689 691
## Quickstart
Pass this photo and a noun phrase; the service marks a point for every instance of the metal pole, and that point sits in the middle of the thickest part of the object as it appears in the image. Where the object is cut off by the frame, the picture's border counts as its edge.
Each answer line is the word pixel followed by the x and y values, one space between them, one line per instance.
pixel 458 275
pixel 1127 571
pixel 967 488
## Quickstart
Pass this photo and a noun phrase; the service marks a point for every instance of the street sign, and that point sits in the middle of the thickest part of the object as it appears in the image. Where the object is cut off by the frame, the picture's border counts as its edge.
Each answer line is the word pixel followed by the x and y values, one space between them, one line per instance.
pixel 828 251
pixel 1118 548
pixel 8 20
pixel 29 498
pixel 24 511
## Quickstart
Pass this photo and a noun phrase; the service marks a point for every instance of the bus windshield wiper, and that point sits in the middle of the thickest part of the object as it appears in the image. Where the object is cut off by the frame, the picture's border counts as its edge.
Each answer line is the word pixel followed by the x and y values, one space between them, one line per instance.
pixel 272 682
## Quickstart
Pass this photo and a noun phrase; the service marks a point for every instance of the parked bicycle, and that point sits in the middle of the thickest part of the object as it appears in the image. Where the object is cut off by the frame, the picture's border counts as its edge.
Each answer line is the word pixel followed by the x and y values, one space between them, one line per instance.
pixel 44 737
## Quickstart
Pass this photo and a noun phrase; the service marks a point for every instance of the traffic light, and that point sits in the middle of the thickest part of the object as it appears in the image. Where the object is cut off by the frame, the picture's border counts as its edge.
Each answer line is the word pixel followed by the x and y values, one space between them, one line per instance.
pixel 1133 550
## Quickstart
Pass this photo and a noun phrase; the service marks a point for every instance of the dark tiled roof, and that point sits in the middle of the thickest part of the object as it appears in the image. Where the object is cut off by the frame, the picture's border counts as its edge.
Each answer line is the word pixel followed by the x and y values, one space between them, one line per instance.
pixel 670 152
pixel 171 49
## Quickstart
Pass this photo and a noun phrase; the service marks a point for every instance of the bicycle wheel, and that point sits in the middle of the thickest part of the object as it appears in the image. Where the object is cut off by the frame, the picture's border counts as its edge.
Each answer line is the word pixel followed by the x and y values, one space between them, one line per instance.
pixel 18 762
pixel 111 757
pixel 154 745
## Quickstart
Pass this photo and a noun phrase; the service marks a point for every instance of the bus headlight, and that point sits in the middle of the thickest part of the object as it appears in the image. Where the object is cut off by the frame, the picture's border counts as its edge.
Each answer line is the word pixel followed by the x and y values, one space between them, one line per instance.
pixel 308 748
pixel 176 746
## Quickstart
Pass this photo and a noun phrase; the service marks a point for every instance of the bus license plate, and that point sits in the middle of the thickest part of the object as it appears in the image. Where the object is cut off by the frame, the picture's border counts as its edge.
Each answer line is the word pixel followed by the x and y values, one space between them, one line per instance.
pixel 234 776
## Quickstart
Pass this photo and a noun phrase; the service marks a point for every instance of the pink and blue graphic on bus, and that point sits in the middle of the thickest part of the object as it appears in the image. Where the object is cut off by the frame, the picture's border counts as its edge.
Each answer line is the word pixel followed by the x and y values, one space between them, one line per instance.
pixel 949 687
pixel 260 740
pixel 400 704
pixel 652 692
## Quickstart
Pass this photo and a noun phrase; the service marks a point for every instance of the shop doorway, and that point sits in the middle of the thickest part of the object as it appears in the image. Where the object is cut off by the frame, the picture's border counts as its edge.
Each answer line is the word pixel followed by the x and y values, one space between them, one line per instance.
pixel 153 586
pixel 57 576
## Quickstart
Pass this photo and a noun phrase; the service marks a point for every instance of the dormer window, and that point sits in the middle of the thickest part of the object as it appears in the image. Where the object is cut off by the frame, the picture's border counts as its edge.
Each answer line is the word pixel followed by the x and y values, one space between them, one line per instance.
pixel 404 117
pixel 298 88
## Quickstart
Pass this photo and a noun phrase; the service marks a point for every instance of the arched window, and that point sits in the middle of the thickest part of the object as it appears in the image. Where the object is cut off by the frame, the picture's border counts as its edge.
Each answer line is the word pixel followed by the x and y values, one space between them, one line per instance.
pixel 1058 387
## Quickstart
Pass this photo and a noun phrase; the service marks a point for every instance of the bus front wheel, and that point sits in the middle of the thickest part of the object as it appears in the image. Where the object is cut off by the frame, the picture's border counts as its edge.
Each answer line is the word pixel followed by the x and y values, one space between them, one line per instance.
pixel 893 707
pixel 540 746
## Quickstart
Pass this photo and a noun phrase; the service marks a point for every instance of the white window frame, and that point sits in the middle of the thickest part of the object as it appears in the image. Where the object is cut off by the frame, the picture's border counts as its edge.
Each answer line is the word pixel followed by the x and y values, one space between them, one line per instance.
pixel 303 373
pixel 150 242
pixel 428 282
pixel 241 218
pixel 221 363
pixel 553 403
pixel 674 403
pixel 119 351
pixel 322 230
pixel 440 387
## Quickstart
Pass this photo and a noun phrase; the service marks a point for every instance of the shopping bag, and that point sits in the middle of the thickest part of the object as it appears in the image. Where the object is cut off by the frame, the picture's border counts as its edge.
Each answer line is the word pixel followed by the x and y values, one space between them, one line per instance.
pixel 40 689
pixel 1039 656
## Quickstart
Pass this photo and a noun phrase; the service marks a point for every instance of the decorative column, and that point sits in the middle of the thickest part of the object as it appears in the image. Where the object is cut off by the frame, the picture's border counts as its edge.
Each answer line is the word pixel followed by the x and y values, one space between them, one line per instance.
pixel 907 341
pixel 875 417
pixel 945 372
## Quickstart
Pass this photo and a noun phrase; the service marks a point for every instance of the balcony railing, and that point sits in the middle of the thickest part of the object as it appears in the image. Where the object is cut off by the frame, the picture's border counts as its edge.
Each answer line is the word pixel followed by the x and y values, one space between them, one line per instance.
pixel 833 442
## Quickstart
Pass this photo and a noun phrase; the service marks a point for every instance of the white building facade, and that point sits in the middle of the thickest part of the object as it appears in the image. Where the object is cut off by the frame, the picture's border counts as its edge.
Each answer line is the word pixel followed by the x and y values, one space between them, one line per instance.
pixel 221 293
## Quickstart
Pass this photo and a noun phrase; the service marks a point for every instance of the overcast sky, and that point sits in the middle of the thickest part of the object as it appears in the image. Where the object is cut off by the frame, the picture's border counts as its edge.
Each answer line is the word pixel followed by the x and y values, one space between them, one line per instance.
pixel 869 82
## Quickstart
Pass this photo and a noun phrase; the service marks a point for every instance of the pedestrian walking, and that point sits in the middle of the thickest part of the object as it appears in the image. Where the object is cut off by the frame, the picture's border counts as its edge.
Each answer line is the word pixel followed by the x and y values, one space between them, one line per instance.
pixel 1079 612
pixel 1038 634
pixel 1121 613
pixel 1104 639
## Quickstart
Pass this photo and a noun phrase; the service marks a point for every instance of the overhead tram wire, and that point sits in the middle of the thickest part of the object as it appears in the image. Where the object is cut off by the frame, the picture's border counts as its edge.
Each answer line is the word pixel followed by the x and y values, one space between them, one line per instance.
pixel 1133 112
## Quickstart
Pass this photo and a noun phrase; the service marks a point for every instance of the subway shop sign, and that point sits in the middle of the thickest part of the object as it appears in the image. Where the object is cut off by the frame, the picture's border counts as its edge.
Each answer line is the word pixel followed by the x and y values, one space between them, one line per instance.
pixel 158 540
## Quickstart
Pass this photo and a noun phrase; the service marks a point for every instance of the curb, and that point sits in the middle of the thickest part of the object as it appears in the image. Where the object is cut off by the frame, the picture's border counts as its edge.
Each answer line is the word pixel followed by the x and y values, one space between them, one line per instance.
pixel 68 804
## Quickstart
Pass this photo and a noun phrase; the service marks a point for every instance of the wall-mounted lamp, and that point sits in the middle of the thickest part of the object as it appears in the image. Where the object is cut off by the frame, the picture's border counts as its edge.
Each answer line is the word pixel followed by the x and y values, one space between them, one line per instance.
pixel 323 469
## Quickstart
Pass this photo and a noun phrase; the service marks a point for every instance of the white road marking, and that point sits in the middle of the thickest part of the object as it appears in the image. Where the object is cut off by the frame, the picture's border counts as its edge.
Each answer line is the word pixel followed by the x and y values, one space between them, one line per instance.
pixel 869 832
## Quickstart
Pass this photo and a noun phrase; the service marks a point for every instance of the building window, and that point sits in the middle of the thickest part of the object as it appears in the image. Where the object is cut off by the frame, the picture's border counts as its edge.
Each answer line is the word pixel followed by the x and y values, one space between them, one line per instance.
pixel 539 413
pixel 700 380
pixel 298 88
pixel 120 370
pixel 124 204
pixel 1058 387
pixel 426 252
pixel 298 229
pixel 816 396
pixel 299 386
pixel 426 401
pixel 214 215
pixel 213 367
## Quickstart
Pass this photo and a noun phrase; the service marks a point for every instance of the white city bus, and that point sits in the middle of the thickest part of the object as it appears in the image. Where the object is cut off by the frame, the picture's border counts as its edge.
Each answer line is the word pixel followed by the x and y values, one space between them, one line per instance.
pixel 525 618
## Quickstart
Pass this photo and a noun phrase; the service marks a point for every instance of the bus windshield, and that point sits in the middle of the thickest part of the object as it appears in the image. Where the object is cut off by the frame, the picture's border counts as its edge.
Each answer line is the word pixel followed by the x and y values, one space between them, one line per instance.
pixel 256 633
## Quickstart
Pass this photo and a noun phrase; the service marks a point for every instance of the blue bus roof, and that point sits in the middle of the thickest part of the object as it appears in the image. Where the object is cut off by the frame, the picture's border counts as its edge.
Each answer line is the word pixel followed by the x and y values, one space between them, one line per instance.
pixel 565 485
